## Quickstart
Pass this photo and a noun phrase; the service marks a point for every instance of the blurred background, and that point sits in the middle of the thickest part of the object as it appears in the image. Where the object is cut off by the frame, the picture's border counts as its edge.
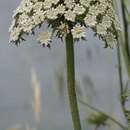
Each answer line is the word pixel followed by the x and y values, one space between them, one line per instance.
pixel 33 91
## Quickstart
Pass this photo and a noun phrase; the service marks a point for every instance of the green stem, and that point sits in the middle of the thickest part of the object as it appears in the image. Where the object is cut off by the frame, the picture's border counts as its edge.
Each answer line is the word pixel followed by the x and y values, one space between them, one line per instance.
pixel 122 42
pixel 120 78
pixel 71 81
pixel 127 11
pixel 126 31
pixel 125 56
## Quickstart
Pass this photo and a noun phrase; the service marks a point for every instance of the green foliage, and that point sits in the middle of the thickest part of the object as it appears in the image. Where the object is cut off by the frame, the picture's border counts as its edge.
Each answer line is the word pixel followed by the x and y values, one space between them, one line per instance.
pixel 98 119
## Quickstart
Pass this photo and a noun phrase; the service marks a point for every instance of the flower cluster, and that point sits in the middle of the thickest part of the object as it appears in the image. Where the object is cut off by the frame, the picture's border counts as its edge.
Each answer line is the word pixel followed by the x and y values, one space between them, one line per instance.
pixel 65 16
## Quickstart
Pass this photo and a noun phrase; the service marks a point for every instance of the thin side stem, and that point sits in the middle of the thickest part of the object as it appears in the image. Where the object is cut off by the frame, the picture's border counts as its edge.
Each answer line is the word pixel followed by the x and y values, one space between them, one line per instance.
pixel 120 78
pixel 122 43
pixel 71 81
pixel 125 56
pixel 99 111
pixel 120 68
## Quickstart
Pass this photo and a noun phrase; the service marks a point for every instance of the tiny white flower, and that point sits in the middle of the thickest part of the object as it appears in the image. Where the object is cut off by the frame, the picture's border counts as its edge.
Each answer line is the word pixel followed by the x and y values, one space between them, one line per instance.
pixel 60 9
pixel 93 10
pixel 23 19
pixel 26 23
pixel 28 26
pixel 85 3
pixel 110 39
pixel 63 28
pixel 47 4
pixel 117 24
pixel 90 20
pixel 101 8
pixel 25 6
pixel 37 6
pixel 12 25
pixel 111 12
pixel 55 1
pixel 107 21
pixel 51 13
pixel 14 35
pixel 70 15
pixel 45 38
pixel 38 17
pixel 69 3
pixel 79 9
pixel 78 31
pixel 101 29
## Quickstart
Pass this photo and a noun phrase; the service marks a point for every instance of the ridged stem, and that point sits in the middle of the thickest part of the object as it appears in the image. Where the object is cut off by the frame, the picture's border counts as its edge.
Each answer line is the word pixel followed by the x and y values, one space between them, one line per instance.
pixel 71 81
pixel 126 31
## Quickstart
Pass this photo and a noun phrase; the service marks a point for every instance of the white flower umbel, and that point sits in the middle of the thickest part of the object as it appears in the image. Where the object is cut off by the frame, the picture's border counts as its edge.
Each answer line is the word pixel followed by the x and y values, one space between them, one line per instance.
pixel 60 9
pixel 78 32
pixel 90 20
pixel 63 29
pixel 69 3
pixel 74 14
pixel 101 29
pixel 45 38
pixel 38 17
pixel 51 13
pixel 15 34
pixel 38 6
pixel 85 3
pixel 48 3
pixel 106 20
pixel 70 15
pixel 79 9
pixel 110 39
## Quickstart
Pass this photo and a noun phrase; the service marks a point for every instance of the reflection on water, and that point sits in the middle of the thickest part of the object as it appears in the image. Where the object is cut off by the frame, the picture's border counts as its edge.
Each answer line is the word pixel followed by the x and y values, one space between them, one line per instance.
pixel 37 96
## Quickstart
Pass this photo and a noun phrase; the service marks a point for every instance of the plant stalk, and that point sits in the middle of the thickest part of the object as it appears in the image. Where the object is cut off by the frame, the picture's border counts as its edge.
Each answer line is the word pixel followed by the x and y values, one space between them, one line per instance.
pixel 126 31
pixel 71 81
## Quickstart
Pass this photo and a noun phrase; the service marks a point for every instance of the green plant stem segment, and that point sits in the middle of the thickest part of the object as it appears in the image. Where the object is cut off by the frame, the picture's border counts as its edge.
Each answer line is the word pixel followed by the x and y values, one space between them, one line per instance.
pixel 126 31
pixel 71 81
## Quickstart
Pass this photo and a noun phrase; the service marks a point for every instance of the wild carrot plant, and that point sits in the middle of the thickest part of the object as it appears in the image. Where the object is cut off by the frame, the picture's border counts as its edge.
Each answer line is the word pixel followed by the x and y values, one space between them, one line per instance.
pixel 67 20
